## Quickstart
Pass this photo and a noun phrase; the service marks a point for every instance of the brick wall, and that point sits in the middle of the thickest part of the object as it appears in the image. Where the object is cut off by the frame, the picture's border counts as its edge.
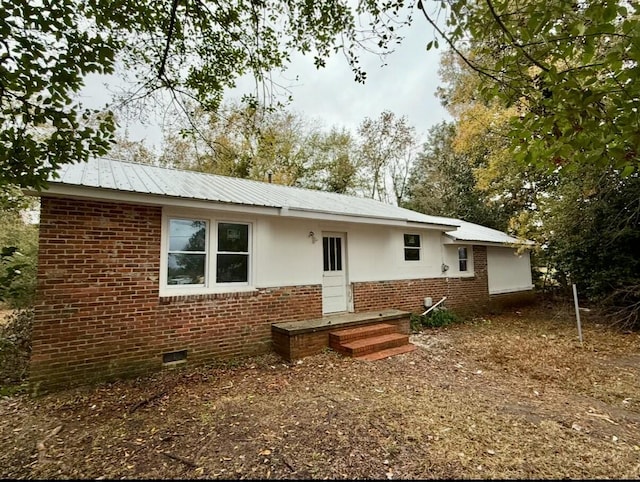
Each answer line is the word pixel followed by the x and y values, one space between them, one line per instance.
pixel 464 295
pixel 98 313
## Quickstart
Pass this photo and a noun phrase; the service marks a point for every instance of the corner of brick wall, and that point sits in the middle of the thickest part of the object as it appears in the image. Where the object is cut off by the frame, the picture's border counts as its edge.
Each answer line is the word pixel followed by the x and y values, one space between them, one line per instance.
pixel 98 312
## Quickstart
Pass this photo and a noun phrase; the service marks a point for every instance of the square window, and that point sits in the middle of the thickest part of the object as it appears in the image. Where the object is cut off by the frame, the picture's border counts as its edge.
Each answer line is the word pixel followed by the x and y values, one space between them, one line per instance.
pixel 412 247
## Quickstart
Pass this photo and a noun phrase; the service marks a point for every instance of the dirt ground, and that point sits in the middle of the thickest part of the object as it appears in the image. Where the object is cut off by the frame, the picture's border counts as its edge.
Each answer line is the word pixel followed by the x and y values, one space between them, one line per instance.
pixel 511 396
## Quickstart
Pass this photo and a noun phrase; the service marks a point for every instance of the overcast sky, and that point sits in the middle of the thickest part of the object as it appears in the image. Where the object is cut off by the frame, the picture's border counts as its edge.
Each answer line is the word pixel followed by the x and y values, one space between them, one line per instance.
pixel 330 96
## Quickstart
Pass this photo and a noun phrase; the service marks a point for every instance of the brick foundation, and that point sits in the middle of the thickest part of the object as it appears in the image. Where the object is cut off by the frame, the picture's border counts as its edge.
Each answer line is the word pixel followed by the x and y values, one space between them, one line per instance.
pixel 98 312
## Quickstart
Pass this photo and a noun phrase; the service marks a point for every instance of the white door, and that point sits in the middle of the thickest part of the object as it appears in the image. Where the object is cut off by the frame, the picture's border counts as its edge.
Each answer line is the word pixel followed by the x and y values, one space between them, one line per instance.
pixel 334 276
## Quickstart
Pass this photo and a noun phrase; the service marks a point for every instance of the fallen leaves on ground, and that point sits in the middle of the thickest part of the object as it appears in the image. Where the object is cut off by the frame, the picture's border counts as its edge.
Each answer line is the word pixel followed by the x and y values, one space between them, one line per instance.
pixel 510 396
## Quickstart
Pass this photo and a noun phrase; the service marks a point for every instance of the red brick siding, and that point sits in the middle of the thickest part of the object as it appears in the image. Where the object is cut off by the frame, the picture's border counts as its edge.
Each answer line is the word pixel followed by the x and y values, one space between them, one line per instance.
pixel 467 295
pixel 99 315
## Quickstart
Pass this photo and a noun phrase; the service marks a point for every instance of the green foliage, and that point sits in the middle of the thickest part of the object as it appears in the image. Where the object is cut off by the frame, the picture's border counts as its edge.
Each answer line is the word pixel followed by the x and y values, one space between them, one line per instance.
pixel 443 183
pixel 18 260
pixel 436 318
pixel 195 51
pixel 46 53
pixel 15 346
pixel 569 69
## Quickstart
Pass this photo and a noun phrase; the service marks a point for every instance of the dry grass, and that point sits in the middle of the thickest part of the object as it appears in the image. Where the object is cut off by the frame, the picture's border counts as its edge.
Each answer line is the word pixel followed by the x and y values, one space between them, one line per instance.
pixel 513 396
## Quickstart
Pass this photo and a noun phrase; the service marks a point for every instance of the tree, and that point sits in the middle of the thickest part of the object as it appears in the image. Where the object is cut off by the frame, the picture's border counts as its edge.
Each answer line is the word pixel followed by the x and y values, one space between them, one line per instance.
pixel 241 141
pixel 188 49
pixel 386 149
pixel 443 183
pixel 568 69
pixel 333 162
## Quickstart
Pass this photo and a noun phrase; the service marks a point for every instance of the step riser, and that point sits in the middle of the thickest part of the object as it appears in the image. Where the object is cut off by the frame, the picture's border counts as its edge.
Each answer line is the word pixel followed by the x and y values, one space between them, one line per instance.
pixel 380 355
pixel 373 347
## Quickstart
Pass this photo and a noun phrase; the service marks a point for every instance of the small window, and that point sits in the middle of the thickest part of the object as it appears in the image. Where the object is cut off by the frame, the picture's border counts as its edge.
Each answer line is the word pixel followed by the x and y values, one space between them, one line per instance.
pixel 232 261
pixel 187 254
pixel 332 253
pixel 462 259
pixel 412 247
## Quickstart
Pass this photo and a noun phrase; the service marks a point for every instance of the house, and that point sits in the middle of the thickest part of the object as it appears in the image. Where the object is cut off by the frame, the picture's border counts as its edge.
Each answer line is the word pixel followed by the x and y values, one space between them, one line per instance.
pixel 141 267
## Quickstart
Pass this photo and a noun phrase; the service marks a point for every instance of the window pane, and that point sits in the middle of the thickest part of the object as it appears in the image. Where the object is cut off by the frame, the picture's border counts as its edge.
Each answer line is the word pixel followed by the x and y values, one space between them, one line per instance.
pixel 232 268
pixel 186 269
pixel 412 240
pixel 338 254
pixel 325 253
pixel 233 237
pixel 411 254
pixel 187 235
pixel 462 253
pixel 332 254
pixel 463 265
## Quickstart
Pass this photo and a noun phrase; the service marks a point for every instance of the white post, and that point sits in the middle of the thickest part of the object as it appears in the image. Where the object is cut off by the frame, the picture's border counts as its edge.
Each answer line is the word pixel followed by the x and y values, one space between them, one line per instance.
pixel 575 302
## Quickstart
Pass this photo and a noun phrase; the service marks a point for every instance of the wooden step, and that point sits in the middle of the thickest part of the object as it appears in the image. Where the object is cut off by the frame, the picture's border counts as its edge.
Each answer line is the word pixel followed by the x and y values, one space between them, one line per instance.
pixel 379 355
pixel 373 344
pixel 340 337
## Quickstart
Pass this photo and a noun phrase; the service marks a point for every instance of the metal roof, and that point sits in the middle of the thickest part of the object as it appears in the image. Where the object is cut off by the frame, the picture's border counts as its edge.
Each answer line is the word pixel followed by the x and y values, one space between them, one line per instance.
pixel 476 232
pixel 111 174
pixel 105 173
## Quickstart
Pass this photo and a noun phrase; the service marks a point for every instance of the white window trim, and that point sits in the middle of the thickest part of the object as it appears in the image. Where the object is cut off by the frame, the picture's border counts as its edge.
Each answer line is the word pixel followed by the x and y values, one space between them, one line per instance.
pixel 419 248
pixel 210 287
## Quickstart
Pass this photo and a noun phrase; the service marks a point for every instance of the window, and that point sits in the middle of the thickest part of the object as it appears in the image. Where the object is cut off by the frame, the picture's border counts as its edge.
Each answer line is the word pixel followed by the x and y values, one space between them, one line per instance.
pixel 202 253
pixel 412 247
pixel 187 252
pixel 462 259
pixel 332 253
pixel 232 261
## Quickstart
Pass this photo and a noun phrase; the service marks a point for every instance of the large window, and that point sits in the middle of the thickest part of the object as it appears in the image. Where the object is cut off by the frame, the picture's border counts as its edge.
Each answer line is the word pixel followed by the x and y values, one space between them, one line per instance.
pixel 187 252
pixel 233 253
pixel 412 247
pixel 203 253
pixel 462 259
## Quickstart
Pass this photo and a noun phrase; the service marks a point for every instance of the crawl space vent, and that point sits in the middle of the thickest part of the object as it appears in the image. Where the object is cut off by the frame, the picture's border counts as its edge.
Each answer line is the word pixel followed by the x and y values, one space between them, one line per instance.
pixel 174 357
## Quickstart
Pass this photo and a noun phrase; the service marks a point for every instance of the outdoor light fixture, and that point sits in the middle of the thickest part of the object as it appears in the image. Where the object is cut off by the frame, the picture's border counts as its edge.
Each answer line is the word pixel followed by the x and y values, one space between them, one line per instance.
pixel 312 235
pixel 444 267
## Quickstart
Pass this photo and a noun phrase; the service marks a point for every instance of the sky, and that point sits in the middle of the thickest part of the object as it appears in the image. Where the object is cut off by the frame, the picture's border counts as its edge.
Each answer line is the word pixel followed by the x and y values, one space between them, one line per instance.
pixel 331 97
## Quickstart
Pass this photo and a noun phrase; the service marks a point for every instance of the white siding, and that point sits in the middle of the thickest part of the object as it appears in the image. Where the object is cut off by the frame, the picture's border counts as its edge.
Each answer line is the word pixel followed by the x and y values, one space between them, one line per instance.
pixel 451 259
pixel 508 271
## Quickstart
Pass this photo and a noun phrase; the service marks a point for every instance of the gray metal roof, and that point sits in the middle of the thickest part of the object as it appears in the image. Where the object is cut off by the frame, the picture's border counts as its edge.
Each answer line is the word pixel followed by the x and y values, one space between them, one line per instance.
pixel 476 232
pixel 110 174
pixel 105 173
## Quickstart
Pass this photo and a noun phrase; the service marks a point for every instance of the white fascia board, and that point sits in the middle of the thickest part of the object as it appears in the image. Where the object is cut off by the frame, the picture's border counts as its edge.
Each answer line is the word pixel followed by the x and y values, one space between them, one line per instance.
pixel 326 216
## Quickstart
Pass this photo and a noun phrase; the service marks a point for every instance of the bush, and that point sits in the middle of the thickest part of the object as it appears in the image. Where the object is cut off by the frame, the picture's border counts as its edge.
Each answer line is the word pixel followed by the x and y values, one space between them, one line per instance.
pixel 15 347
pixel 434 319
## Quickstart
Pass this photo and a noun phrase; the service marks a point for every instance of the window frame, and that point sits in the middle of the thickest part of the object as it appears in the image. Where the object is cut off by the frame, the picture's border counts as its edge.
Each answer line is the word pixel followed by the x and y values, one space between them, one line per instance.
pixel 462 260
pixel 205 252
pixel 211 285
pixel 408 248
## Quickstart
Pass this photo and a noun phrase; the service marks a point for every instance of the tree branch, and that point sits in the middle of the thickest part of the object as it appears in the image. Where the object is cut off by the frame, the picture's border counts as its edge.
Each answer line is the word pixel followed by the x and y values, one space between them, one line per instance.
pixel 172 22
pixel 511 38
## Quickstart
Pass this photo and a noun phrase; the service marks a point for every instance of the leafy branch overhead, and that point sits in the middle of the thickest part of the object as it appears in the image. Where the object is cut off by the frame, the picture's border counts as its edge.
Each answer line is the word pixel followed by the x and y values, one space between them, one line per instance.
pixel 567 67
pixel 194 49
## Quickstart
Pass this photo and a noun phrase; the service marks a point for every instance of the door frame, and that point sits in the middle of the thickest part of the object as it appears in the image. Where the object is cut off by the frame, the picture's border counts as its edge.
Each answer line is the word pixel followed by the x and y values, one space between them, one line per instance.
pixel 343 252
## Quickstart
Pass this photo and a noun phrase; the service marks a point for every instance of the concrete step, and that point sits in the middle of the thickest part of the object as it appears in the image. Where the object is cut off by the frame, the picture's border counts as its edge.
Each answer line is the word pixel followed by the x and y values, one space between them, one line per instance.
pixel 372 344
pixel 379 355
pixel 340 337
